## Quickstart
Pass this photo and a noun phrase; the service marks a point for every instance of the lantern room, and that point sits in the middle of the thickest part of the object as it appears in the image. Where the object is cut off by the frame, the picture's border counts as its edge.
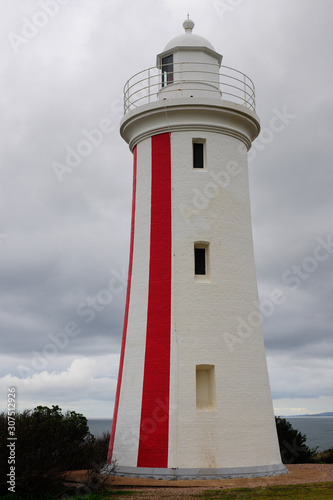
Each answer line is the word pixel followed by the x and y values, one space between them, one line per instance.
pixel 190 66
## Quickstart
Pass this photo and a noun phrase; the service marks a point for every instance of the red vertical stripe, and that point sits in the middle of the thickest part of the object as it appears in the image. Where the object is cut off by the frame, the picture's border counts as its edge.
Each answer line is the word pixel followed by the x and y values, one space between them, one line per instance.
pixel 153 444
pixel 129 280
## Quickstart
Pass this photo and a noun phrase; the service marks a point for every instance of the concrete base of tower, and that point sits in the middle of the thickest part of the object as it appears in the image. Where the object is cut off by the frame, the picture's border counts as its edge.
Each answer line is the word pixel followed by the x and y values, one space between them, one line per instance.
pixel 205 473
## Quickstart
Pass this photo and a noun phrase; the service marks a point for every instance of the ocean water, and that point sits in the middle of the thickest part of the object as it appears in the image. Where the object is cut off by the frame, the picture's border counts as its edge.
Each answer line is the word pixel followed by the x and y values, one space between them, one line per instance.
pixel 318 430
pixel 98 426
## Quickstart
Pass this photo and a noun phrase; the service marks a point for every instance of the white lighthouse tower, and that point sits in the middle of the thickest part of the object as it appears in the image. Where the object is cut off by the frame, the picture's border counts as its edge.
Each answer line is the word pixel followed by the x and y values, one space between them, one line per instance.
pixel 193 397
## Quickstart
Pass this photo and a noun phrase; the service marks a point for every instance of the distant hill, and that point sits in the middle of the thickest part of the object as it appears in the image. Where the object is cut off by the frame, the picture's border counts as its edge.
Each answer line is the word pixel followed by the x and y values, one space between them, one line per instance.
pixel 324 414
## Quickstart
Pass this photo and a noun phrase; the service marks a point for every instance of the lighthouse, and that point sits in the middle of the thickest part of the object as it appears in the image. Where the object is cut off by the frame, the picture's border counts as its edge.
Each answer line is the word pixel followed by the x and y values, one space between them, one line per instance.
pixel 193 397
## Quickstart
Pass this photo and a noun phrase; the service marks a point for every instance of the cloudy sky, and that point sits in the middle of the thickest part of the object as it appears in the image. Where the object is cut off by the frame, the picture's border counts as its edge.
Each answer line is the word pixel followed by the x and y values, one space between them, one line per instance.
pixel 64 238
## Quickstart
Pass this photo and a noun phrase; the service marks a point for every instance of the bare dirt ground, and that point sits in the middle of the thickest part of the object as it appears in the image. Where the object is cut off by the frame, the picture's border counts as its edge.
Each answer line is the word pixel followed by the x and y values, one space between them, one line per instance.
pixel 298 474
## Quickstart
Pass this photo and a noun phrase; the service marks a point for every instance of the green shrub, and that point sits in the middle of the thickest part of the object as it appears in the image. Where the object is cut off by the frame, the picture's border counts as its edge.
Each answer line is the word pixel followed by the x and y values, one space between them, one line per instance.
pixel 97 451
pixel 49 443
pixel 325 457
pixel 292 444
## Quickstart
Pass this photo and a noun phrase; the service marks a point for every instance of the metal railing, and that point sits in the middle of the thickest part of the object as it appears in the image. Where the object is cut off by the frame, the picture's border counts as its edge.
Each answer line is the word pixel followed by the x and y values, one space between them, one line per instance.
pixel 200 78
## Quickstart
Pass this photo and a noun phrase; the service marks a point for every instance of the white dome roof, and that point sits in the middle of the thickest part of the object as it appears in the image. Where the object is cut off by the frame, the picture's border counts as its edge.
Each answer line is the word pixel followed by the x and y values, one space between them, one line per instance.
pixel 188 39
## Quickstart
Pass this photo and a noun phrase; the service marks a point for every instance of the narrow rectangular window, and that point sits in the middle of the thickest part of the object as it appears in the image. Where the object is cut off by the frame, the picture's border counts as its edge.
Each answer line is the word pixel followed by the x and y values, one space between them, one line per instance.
pixel 167 70
pixel 201 261
pixel 198 155
pixel 205 387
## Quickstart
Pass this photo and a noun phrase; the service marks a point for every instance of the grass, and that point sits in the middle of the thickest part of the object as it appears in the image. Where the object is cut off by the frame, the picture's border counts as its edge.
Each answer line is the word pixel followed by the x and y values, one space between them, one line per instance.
pixel 311 491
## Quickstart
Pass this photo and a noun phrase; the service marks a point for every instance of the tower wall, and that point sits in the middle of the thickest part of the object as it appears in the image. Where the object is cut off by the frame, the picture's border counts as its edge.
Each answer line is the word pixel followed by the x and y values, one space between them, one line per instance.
pixel 177 321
